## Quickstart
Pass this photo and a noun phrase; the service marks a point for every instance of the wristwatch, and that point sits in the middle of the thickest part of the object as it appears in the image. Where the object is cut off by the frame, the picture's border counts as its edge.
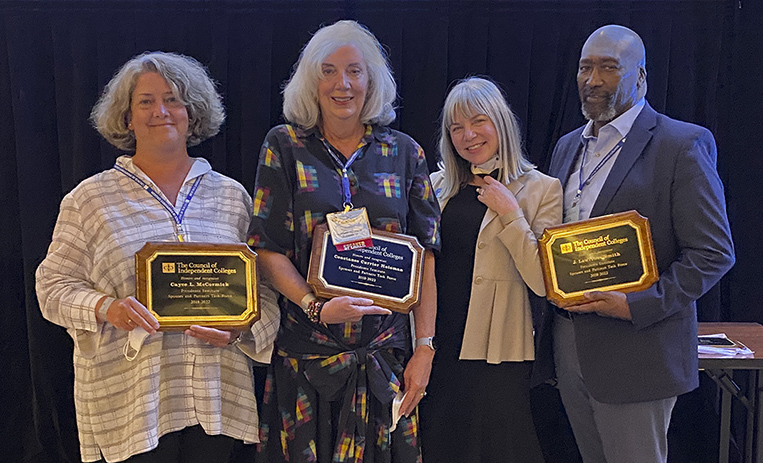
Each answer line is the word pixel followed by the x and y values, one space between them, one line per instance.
pixel 429 342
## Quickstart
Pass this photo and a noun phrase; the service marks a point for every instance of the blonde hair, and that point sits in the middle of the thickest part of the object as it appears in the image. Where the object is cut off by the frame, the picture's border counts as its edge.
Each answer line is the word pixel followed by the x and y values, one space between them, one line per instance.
pixel 471 97
pixel 300 95
pixel 188 80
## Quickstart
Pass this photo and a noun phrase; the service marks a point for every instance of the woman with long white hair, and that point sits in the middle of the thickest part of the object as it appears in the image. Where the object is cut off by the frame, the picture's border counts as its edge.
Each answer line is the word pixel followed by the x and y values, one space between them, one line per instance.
pixel 340 362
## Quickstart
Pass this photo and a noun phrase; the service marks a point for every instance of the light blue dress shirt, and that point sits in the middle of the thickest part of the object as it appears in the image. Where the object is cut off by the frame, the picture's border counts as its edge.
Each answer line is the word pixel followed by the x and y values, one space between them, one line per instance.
pixel 597 148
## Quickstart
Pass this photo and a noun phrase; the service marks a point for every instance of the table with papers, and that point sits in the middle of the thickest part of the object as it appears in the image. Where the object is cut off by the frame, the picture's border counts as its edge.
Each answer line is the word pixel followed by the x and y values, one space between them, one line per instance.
pixel 719 363
pixel 719 345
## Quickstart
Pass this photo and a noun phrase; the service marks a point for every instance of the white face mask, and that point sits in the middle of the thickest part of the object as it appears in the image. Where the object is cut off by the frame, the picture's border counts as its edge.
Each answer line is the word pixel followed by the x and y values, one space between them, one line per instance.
pixel 134 342
pixel 486 167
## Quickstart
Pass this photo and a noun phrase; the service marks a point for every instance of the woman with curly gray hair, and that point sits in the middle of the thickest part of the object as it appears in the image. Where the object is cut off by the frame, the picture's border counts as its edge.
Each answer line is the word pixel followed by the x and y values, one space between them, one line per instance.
pixel 340 362
pixel 144 395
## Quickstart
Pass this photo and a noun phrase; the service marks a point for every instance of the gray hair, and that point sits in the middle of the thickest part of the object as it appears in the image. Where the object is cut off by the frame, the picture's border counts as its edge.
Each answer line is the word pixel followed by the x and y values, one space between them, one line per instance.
pixel 189 82
pixel 470 97
pixel 300 95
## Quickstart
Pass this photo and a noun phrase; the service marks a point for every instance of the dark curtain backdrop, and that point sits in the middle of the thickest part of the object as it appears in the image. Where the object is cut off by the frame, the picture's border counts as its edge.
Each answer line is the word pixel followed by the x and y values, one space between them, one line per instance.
pixel 703 60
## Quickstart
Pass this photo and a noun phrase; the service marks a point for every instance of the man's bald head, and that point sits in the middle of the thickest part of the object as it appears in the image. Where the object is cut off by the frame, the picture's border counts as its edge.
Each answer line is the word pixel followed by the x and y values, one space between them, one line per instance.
pixel 611 73
pixel 616 41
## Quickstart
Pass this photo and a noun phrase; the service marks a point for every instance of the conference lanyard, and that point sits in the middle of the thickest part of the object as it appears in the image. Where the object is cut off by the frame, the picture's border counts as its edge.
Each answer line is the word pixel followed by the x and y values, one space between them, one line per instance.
pixel 583 183
pixel 177 217
pixel 345 179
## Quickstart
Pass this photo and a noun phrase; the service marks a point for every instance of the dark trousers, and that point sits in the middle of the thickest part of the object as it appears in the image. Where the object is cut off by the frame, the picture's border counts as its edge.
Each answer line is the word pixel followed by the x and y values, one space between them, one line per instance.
pixel 193 445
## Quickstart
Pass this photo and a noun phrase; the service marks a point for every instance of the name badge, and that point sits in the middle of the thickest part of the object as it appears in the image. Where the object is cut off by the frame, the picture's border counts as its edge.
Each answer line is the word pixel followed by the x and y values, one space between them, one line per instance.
pixel 350 229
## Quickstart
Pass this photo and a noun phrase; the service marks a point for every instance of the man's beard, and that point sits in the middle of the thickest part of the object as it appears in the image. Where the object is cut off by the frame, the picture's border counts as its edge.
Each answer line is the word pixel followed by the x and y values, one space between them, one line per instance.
pixel 606 115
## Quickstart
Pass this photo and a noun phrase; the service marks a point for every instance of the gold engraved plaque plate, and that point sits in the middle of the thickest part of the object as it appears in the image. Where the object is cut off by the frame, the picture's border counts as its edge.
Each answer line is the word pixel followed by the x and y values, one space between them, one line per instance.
pixel 207 284
pixel 609 253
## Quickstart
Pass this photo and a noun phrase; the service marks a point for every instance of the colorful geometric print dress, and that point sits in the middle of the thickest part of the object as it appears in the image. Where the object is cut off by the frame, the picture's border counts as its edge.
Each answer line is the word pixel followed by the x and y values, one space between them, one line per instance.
pixel 329 392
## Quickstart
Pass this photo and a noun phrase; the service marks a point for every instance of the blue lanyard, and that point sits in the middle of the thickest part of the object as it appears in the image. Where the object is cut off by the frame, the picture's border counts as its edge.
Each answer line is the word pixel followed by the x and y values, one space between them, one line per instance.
pixel 345 179
pixel 582 183
pixel 176 216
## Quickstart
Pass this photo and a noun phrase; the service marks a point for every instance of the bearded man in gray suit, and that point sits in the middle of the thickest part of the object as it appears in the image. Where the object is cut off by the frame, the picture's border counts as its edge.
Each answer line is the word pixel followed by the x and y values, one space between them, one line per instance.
pixel 622 359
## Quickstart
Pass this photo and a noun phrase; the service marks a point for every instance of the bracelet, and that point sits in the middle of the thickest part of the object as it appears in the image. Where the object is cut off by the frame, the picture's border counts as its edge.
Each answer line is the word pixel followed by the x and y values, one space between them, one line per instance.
pixel 106 302
pixel 306 300
pixel 235 341
pixel 313 310
pixel 103 310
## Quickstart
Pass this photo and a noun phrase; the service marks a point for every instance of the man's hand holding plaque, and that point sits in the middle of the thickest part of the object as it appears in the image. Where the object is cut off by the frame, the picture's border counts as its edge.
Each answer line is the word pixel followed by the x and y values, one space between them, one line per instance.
pixel 611 304
pixel 584 261
pixel 388 272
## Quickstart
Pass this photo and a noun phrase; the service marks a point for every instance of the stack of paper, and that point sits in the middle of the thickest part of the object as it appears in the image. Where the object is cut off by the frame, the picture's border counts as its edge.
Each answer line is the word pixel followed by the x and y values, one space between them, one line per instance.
pixel 720 345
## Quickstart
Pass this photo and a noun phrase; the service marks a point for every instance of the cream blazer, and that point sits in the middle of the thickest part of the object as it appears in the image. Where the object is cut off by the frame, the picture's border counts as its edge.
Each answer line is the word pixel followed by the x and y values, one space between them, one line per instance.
pixel 499 320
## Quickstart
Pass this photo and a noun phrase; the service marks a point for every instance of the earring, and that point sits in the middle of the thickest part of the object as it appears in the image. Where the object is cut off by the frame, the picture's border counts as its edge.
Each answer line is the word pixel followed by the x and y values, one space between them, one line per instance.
pixel 129 126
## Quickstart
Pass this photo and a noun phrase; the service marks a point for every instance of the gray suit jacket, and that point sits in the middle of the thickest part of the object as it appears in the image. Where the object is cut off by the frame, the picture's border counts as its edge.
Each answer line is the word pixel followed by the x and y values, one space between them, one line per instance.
pixel 667 172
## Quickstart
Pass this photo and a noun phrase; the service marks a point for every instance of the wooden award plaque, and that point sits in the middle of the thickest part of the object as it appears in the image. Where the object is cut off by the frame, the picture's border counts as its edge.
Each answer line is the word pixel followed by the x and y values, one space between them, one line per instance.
pixel 184 284
pixel 389 272
pixel 609 253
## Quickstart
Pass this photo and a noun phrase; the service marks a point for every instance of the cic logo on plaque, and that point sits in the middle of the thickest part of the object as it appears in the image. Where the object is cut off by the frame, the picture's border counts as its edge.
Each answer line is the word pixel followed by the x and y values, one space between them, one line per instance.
pixel 168 267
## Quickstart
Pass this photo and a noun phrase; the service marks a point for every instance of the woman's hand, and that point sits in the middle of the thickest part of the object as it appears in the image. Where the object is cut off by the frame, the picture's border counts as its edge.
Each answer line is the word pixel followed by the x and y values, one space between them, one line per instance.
pixel 349 309
pixel 495 195
pixel 127 314
pixel 218 338
pixel 416 376
pixel 284 277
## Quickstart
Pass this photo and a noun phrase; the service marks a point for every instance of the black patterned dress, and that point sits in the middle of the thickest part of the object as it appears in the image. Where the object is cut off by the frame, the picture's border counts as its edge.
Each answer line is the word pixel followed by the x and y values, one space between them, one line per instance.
pixel 329 392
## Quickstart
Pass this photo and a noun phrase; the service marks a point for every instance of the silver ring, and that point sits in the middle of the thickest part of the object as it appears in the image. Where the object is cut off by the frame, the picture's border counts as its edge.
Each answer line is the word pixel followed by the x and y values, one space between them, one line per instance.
pixel 130 322
pixel 479 191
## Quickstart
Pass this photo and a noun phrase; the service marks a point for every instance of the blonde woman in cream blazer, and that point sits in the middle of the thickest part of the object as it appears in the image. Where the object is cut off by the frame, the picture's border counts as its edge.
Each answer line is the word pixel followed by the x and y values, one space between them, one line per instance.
pixel 495 205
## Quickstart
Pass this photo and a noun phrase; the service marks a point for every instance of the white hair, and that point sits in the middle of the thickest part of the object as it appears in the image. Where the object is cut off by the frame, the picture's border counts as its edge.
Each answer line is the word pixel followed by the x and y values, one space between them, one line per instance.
pixel 471 97
pixel 300 95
